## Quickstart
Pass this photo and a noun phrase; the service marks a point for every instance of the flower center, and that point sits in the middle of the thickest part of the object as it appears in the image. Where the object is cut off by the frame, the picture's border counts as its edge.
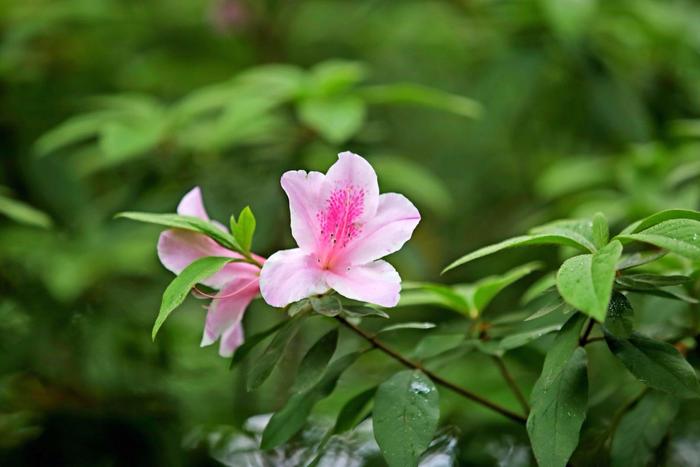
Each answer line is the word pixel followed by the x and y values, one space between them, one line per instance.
pixel 338 221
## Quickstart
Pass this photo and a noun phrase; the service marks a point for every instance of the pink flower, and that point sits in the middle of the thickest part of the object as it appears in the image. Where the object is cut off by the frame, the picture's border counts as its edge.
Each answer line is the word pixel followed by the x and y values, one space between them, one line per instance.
pixel 343 226
pixel 237 283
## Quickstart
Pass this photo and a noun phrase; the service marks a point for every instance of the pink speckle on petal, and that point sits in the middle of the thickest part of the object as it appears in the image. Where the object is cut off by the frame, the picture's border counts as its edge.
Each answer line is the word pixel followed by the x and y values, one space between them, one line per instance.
pixel 338 219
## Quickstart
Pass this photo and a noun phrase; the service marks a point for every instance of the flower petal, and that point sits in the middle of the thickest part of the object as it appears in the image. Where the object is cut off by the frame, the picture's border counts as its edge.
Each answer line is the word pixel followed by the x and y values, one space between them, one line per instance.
pixel 290 275
pixel 376 282
pixel 304 191
pixel 352 172
pixel 192 204
pixel 384 234
pixel 231 339
pixel 177 249
pixel 227 310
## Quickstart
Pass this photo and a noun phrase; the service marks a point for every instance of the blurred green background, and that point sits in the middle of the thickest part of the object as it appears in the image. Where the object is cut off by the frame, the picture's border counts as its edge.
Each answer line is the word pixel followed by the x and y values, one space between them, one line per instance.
pixel 491 115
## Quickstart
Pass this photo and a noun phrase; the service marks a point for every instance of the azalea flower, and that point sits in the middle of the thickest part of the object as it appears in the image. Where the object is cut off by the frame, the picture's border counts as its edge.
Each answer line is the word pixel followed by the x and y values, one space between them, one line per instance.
pixel 343 226
pixel 237 283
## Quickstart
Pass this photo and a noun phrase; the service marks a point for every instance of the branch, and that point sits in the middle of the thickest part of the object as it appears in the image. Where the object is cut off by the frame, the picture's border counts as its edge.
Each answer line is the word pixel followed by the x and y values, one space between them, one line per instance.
pixel 439 380
pixel 511 382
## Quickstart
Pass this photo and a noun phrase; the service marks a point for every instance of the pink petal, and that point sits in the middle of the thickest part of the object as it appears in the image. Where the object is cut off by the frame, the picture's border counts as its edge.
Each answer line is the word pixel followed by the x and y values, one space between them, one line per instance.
pixel 231 339
pixel 177 249
pixel 353 173
pixel 376 282
pixel 290 275
pixel 386 233
pixel 227 309
pixel 304 191
pixel 192 205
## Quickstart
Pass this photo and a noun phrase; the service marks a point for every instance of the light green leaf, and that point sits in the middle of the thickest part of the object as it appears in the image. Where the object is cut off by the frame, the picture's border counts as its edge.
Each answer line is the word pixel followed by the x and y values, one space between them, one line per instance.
pixel 600 230
pixel 327 305
pixel 558 411
pixel 313 365
pixel 291 418
pixel 681 236
pixel 642 429
pixel 23 213
pixel 336 118
pixel 657 364
pixel 411 325
pixel 191 223
pixel 659 217
pixel 579 231
pixel 244 229
pixel 523 240
pixel 334 77
pixel 180 287
pixel 640 258
pixel 407 93
pixel 620 319
pixel 260 371
pixel 72 131
pixel 360 312
pixel 586 281
pixel 405 417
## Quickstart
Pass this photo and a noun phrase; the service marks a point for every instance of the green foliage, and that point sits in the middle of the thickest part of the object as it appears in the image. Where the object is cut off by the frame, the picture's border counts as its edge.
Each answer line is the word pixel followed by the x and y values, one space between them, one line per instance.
pixel 315 361
pixel 405 417
pixel 586 281
pixel 178 290
pixel 642 429
pixel 243 229
pixel 258 373
pixel 23 213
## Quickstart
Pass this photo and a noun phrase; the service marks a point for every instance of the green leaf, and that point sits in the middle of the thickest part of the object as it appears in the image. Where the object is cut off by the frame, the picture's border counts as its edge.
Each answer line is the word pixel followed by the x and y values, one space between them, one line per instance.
pixel 523 240
pixel 291 418
pixel 600 230
pixel 363 312
pixel 299 307
pixel 657 364
pixel 23 213
pixel 620 319
pixel 313 365
pixel 639 259
pixel 335 76
pixel 653 284
pixel 180 287
pixel 642 429
pixel 327 305
pixel 558 412
pixel 660 217
pixel 681 236
pixel 260 371
pixel 405 417
pixel 353 411
pixel 586 281
pixel 412 325
pixel 244 229
pixel 72 131
pixel 190 223
pixel 336 118
pixel 407 93
pixel 436 344
pixel 251 342
pixel 579 231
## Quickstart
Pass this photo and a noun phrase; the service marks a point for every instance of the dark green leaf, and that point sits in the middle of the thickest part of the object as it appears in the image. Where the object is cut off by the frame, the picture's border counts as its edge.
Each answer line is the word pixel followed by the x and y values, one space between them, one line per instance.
pixel 405 417
pixel 251 342
pixel 244 229
pixel 291 418
pixel 180 287
pixel 620 319
pixel 639 259
pixel 524 240
pixel 681 236
pixel 642 429
pixel 586 281
pixel 190 223
pixel 657 364
pixel 313 365
pixel 264 364
pixel 558 411
pixel 652 284
pixel 354 411
pixel 435 344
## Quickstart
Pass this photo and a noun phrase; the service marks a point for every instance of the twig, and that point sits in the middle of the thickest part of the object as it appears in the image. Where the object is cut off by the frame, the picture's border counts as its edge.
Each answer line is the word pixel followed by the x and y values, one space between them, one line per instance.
pixel 584 338
pixel 511 382
pixel 438 379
